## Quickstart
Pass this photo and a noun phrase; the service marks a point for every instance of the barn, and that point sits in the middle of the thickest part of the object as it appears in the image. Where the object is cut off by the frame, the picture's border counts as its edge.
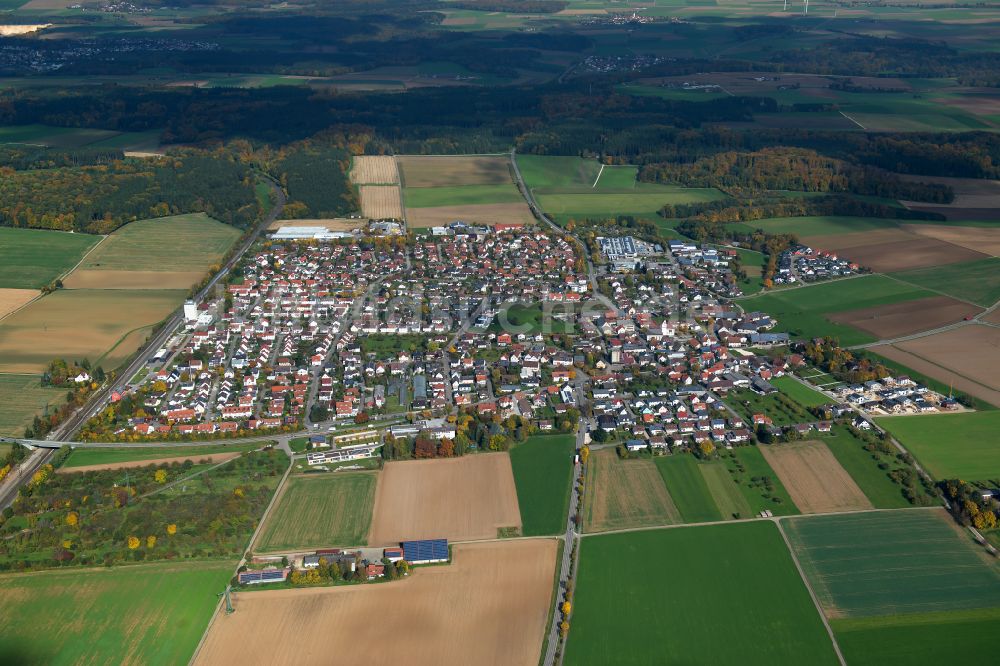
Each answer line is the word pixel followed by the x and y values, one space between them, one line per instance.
pixel 425 551
pixel 262 576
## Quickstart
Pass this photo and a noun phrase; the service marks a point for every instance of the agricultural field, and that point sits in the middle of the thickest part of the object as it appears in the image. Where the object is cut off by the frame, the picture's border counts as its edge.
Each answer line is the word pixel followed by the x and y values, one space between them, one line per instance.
pixel 760 485
pixel 799 392
pixel 893 563
pixel 423 171
pixel 979 238
pixel 204 459
pixel 976 200
pixel 21 398
pixel 41 613
pixel 804 312
pixel 33 258
pixel 620 616
pixel 374 170
pixel 975 281
pixel 79 324
pixel 686 484
pixel 78 137
pixel 543 474
pixel 434 615
pixel 886 322
pixel 461 195
pixel 314 511
pixel 380 202
pixel 951 446
pixel 619 494
pixel 164 253
pixel 961 358
pixel 12 300
pixel 863 467
pixel 893 249
pixel 487 214
pixel 470 497
pixel 814 479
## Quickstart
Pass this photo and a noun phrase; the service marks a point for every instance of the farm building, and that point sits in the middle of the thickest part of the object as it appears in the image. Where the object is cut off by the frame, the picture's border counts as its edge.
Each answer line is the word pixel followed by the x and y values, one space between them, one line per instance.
pixel 425 551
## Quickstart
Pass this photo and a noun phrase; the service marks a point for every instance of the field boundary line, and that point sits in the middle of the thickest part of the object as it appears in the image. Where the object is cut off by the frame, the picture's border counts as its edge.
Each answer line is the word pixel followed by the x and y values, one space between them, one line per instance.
pixel 812 593
pixel 862 127
pixel 253 538
pixel 598 177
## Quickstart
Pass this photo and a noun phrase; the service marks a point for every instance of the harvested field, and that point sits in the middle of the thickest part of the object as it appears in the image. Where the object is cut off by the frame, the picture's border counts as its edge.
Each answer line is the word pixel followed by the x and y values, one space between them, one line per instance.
pixel 374 170
pixel 475 214
pixel 128 464
pixel 489 606
pixel 448 171
pixel 625 493
pixel 458 498
pixel 965 357
pixel 79 324
pixel 98 279
pixel 980 239
pixel 12 299
pixel 814 478
pixel 332 224
pixel 893 249
pixel 899 319
pixel 975 199
pixel 380 202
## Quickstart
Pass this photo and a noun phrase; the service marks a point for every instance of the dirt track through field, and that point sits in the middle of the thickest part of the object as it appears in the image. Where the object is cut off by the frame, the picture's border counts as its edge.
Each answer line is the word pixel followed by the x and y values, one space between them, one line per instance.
pixel 894 320
pixel 439 216
pixel 380 202
pixel 815 480
pixel 966 358
pixel 12 299
pixel 374 170
pixel 455 498
pixel 129 464
pixel 489 606
pixel 625 493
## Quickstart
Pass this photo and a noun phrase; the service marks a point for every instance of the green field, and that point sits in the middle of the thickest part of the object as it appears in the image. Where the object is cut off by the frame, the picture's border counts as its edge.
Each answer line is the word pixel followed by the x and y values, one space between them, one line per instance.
pixel 643 199
pixel 190 242
pixel 863 468
pixel 686 485
pixel 951 446
pixel 975 281
pixel 750 480
pixel 530 320
pixel 148 614
pixel 921 638
pixel 21 398
pixel 617 178
pixel 799 392
pixel 800 310
pixel 460 195
pixel 781 409
pixel 33 258
pixel 893 563
pixel 821 225
pixel 722 594
pixel 321 510
pixel 557 171
pixel 543 473
pixel 105 456
pixel 727 494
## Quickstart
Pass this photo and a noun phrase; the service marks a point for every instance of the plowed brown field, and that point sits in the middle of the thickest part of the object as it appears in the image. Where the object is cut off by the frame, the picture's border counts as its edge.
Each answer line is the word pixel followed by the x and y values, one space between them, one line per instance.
pixel 899 319
pixel 457 498
pixel 489 606
pixel 380 202
pixel 980 239
pixel 814 478
pixel 892 250
pixel 439 216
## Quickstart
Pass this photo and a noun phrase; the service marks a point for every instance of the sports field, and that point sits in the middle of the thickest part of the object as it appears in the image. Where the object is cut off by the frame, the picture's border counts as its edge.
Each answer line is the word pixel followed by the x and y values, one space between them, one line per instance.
pixel 799 392
pixel 683 477
pixel 801 311
pixel 893 563
pixel 21 398
pixel 107 616
pixel 625 493
pixel 470 497
pixel 543 472
pixel 321 510
pixel 488 606
pixel 178 243
pixel 33 258
pixel 951 446
pixel 652 597
pixel 79 324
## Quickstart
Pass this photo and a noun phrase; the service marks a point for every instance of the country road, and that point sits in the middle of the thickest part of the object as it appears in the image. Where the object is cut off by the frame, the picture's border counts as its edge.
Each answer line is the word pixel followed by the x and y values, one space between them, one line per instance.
pixel 65 431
